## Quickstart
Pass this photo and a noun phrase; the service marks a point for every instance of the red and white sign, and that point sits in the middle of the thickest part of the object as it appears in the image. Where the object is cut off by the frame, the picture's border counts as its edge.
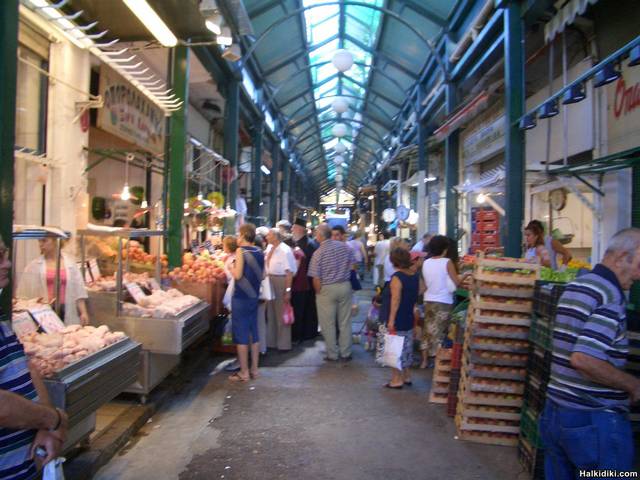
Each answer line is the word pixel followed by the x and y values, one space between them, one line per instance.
pixel 623 105
pixel 47 319
pixel 135 291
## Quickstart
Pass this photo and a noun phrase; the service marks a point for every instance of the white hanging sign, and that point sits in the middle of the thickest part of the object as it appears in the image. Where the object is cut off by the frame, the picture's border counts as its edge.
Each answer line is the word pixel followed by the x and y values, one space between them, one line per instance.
pixel 47 319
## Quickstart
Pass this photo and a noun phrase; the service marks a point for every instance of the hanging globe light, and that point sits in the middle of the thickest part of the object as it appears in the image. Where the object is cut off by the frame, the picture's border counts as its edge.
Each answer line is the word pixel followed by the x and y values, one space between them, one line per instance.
pixel 340 105
pixel 338 159
pixel 340 148
pixel 339 178
pixel 339 130
pixel 342 60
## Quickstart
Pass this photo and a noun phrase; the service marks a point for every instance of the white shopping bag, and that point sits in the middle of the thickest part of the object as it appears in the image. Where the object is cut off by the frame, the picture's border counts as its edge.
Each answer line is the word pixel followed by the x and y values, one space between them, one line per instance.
pixel 266 290
pixel 392 354
pixel 228 294
pixel 53 470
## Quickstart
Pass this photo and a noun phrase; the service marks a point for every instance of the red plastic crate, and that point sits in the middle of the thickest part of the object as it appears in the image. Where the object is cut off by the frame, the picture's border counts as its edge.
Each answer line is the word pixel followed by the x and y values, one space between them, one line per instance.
pixel 482 227
pixel 456 356
pixel 486 238
pixel 486 216
pixel 452 405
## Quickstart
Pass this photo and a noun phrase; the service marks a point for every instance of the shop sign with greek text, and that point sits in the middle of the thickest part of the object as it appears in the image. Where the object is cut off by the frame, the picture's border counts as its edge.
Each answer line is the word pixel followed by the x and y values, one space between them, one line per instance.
pixel 129 114
pixel 623 105
pixel 484 142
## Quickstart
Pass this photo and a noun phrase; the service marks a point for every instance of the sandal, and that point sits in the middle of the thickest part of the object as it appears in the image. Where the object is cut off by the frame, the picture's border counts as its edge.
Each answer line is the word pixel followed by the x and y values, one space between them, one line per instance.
pixel 393 387
pixel 236 377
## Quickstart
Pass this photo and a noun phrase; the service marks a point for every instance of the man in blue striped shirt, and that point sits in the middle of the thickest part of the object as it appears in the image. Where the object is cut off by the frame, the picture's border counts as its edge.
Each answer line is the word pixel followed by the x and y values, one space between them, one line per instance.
pixel 585 423
pixel 27 419
pixel 330 269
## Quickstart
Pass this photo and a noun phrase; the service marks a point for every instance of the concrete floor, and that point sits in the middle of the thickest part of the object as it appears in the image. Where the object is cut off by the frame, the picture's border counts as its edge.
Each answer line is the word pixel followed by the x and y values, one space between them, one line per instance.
pixel 306 419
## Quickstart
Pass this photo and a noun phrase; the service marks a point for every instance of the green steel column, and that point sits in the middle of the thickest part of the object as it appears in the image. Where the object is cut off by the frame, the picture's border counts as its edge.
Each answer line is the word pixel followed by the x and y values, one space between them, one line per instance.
pixel 177 142
pixel 8 72
pixel 231 132
pixel 273 200
pixel 451 172
pixel 256 179
pixel 514 136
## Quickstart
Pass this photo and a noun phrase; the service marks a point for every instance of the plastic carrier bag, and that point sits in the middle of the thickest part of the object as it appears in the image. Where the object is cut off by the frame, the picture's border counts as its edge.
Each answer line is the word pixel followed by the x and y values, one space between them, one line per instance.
pixel 392 352
pixel 53 470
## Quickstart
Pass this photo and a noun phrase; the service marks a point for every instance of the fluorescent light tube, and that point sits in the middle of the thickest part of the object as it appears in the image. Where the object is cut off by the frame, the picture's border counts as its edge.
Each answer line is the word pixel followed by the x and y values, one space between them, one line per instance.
pixel 265 170
pixel 225 37
pixel 150 19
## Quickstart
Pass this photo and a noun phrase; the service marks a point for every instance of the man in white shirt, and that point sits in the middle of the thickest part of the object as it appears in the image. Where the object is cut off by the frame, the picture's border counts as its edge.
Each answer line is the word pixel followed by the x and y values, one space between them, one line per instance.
pixel 421 244
pixel 281 267
pixel 381 251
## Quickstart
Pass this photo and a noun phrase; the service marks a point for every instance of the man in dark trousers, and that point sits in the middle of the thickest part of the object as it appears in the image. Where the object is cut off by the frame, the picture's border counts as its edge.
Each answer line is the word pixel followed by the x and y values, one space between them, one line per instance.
pixel 303 298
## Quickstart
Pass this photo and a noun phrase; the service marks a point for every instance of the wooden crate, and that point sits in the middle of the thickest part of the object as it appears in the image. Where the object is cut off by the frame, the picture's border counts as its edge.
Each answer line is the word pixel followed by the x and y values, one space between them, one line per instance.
pixel 488 439
pixel 500 412
pixel 438 398
pixel 503 290
pixel 469 423
pixel 491 303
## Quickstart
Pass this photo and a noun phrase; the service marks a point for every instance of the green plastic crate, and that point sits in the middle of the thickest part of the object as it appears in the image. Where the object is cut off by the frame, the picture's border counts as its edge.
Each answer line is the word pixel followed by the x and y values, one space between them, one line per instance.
pixel 529 427
pixel 541 332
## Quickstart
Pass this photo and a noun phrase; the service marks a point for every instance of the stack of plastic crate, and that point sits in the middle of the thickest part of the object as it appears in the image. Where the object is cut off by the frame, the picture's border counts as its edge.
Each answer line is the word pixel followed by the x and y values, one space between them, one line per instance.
pixel 495 351
pixel 485 226
pixel 545 303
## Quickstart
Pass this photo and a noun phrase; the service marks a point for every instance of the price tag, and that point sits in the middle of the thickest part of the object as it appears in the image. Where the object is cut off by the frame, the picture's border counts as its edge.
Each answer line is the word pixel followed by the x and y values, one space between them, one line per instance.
pixel 94 269
pixel 22 324
pixel 194 247
pixel 47 319
pixel 153 283
pixel 135 291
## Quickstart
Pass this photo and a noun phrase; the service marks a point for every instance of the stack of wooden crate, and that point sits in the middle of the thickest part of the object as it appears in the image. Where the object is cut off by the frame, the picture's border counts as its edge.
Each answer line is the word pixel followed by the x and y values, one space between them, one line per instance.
pixel 495 351
pixel 441 377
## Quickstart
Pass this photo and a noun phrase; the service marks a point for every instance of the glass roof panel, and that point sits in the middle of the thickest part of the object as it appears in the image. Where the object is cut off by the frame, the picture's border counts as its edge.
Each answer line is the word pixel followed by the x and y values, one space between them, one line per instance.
pixel 322 23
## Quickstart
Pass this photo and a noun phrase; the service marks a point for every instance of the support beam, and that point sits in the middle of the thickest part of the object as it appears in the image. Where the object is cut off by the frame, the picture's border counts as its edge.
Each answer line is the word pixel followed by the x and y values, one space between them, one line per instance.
pixel 273 200
pixel 8 72
pixel 177 143
pixel 231 134
pixel 514 136
pixel 286 188
pixel 451 168
pixel 256 177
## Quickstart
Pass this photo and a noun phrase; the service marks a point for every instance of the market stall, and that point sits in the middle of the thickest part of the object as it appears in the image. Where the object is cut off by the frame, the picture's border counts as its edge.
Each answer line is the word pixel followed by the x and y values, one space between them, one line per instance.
pixel 83 367
pixel 164 321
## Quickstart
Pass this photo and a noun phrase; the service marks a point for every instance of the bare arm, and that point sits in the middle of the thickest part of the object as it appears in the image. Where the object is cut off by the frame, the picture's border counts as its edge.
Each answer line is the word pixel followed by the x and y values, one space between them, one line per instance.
pixel 422 287
pixel 544 255
pixel 239 268
pixel 43 393
pixel 455 278
pixel 606 374
pixel 396 294
pixel 317 284
pixel 562 251
pixel 19 413
pixel 81 304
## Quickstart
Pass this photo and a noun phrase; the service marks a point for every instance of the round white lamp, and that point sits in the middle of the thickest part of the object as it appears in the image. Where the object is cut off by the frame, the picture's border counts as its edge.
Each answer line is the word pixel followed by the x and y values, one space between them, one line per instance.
pixel 339 178
pixel 339 130
pixel 338 159
pixel 340 148
pixel 340 105
pixel 342 60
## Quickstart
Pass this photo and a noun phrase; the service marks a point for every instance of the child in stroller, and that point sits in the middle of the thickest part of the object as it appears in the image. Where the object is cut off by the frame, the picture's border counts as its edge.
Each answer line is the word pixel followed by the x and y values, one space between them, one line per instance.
pixel 372 324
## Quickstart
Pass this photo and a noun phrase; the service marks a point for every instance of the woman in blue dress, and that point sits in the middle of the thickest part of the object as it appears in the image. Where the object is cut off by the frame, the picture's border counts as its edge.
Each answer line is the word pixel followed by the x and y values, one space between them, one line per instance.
pixel 248 274
pixel 404 288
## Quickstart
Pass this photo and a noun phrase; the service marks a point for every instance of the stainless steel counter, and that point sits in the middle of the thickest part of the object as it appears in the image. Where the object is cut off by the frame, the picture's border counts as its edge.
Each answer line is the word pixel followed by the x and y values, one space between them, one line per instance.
pixel 169 336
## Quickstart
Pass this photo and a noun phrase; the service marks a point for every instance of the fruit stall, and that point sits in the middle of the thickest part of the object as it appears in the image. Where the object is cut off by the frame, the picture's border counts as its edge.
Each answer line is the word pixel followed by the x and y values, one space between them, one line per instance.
pixel 83 367
pixel 163 320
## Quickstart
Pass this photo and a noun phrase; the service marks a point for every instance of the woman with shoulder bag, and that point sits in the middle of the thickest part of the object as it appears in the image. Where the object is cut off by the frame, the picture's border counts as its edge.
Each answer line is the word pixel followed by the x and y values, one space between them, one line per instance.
pixel 248 274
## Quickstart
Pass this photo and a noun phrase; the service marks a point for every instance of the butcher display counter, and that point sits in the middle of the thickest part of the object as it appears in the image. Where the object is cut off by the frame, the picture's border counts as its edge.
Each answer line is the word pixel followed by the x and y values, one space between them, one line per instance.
pixel 86 385
pixel 163 337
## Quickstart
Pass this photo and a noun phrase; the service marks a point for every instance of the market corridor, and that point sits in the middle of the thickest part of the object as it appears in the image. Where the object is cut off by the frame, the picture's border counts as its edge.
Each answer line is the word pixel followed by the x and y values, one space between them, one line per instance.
pixel 306 419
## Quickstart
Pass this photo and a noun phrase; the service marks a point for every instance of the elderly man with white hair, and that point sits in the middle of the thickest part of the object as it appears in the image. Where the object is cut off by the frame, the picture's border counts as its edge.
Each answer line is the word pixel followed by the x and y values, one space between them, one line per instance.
pixel 281 267
pixel 585 424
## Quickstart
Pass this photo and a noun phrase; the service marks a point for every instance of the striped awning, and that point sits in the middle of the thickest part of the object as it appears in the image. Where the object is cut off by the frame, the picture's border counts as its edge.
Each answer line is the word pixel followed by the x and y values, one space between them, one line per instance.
pixel 565 16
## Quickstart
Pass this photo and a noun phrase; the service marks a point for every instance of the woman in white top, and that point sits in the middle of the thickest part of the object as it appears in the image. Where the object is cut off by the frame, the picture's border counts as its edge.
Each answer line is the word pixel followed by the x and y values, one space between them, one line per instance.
pixel 441 280
pixel 281 266
pixel 38 281
pixel 380 251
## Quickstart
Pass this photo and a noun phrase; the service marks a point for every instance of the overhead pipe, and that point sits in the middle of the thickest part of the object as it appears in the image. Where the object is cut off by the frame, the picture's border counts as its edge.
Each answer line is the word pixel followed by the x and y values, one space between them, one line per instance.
pixel 472 31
